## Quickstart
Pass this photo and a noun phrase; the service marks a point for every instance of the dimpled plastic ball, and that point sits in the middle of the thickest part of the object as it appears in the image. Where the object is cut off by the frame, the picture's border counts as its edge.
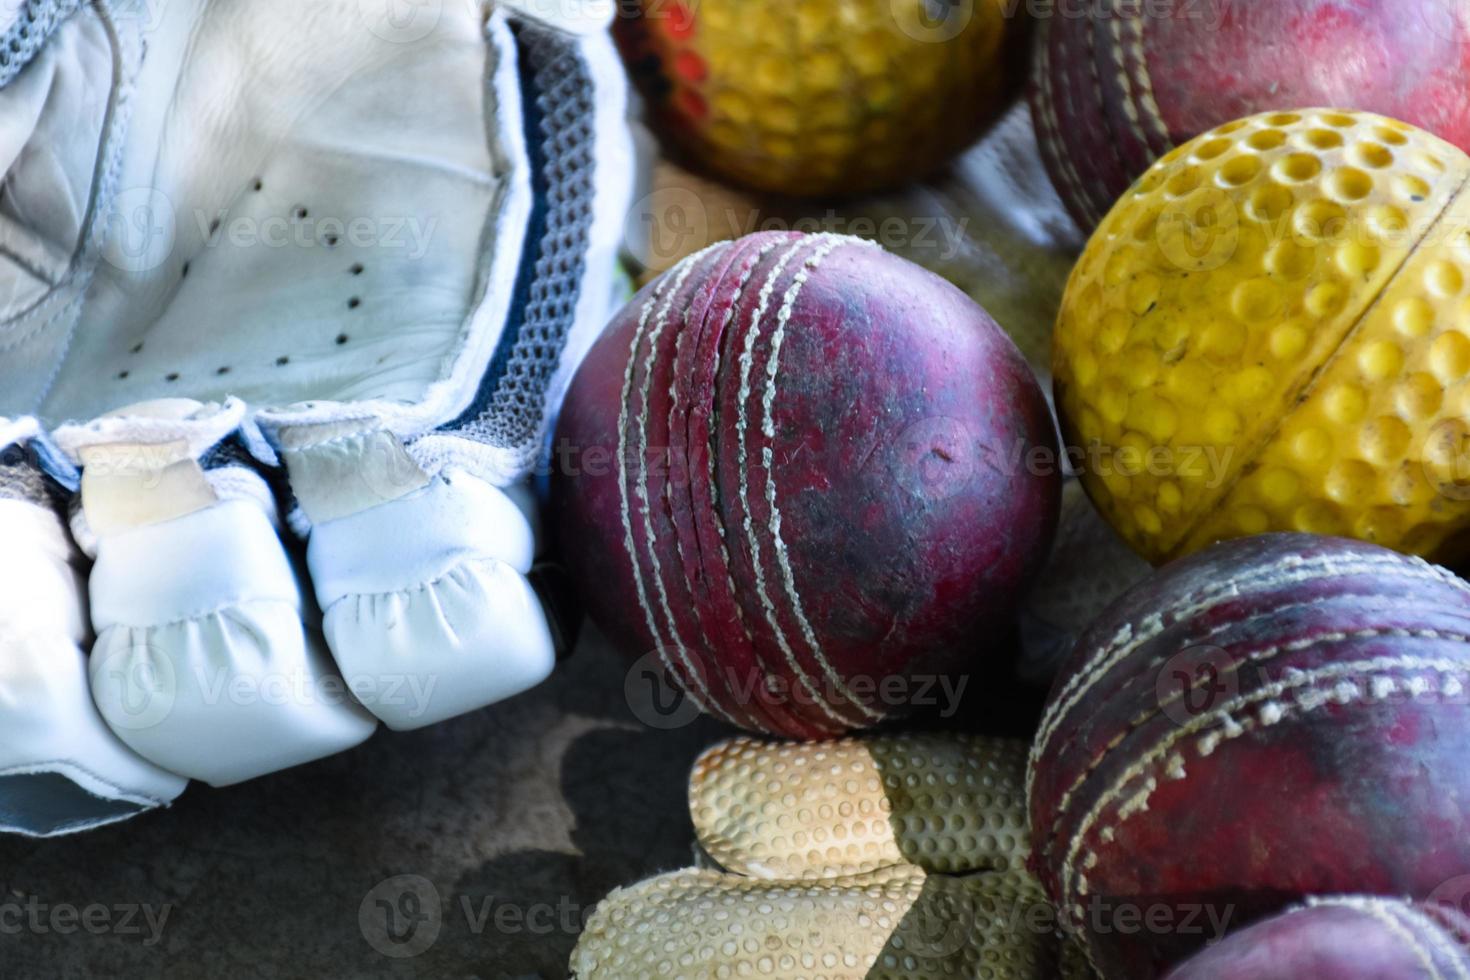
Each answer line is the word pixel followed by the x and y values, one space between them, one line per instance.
pixel 1271 331
pixel 1119 83
pixel 800 473
pixel 823 97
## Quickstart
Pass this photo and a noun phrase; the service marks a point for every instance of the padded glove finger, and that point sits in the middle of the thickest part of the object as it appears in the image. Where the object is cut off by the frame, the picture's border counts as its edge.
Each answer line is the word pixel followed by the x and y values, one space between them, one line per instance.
pixel 800 811
pixel 875 857
pixel 61 768
pixel 896 923
pixel 421 580
pixel 202 664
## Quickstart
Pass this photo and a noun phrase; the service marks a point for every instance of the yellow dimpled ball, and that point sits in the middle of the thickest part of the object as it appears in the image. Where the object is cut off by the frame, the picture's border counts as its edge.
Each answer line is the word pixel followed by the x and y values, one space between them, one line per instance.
pixel 822 97
pixel 1271 332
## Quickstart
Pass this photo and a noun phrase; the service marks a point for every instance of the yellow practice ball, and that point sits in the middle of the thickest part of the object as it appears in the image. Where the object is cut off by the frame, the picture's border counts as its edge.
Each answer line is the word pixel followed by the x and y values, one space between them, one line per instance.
pixel 1271 332
pixel 823 97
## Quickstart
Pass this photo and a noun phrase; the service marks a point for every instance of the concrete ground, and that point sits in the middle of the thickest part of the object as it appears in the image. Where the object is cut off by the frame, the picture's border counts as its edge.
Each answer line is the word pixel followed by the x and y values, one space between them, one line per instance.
pixel 519 818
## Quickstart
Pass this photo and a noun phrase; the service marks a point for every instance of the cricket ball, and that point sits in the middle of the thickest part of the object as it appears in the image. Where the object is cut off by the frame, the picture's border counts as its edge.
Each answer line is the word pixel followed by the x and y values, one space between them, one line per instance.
pixel 1271 332
pixel 1119 83
pixel 1275 717
pixel 801 472
pixel 822 98
pixel 1348 937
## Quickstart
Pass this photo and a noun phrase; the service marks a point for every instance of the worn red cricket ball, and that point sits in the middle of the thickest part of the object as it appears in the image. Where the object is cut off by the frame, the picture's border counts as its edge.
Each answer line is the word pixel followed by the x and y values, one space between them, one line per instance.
pixel 1272 718
pixel 1119 83
pixel 1351 937
pixel 803 472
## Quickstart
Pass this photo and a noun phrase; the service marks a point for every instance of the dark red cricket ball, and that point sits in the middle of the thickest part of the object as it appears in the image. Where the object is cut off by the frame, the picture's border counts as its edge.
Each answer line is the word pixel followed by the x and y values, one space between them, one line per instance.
pixel 809 477
pixel 1272 718
pixel 1351 937
pixel 1119 83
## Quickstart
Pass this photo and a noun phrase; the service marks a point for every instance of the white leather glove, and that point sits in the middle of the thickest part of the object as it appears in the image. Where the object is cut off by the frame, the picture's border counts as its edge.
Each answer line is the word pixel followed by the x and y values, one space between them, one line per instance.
pixel 61 768
pixel 278 265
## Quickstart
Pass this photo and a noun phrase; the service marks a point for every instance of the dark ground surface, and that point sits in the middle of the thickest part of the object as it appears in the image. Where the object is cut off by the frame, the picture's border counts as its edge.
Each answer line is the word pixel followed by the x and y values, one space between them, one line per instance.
pixel 521 817
pixel 518 819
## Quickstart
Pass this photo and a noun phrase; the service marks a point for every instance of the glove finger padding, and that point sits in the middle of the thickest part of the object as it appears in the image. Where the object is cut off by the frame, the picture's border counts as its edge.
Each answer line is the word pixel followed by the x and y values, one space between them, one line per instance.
pixel 202 663
pixel 797 811
pixel 890 856
pixel 61 768
pixel 421 580
pixel 369 250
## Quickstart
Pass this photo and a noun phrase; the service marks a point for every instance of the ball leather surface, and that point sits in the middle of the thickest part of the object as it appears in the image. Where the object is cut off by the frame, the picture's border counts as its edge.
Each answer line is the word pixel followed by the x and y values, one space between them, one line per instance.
pixel 1271 332
pixel 1118 83
pixel 792 467
pixel 1347 937
pixel 1277 717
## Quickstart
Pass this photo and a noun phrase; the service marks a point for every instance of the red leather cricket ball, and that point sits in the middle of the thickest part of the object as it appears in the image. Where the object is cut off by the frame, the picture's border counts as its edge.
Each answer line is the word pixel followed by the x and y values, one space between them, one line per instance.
pixel 1351 937
pixel 1119 83
pixel 809 477
pixel 1272 718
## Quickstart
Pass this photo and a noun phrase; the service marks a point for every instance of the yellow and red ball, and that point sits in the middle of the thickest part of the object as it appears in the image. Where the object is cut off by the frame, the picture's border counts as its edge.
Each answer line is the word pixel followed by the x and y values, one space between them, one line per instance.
pixel 823 97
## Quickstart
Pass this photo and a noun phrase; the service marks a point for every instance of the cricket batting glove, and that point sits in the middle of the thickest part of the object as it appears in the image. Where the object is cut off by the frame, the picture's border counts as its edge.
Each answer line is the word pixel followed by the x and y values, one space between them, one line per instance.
pixel 281 270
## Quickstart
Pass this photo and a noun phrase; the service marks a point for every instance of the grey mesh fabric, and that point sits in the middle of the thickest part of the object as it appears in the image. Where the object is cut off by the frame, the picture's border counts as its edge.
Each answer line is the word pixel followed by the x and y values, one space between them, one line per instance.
pixel 273 270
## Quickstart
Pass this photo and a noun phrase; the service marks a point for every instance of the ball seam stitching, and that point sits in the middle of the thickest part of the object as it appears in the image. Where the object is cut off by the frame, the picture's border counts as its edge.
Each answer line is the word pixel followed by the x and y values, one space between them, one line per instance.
pixel 1272 713
pixel 1201 602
